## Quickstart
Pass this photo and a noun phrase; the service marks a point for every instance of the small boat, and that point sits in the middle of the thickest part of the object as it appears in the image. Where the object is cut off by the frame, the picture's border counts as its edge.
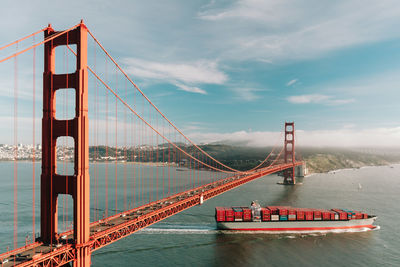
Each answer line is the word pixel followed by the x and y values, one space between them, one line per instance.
pixel 286 219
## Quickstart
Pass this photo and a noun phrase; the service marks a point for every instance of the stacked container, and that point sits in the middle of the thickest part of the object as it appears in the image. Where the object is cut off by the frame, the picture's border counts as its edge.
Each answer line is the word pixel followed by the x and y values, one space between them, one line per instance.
pixel 238 214
pixel 326 215
pixel 246 214
pixel 317 215
pixel 220 214
pixel 300 214
pixel 284 213
pixel 309 214
pixel 265 214
pixel 291 214
pixel 342 214
pixel 229 215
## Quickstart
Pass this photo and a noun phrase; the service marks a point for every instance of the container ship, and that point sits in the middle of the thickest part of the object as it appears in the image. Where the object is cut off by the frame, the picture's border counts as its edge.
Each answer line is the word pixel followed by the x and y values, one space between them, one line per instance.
pixel 286 219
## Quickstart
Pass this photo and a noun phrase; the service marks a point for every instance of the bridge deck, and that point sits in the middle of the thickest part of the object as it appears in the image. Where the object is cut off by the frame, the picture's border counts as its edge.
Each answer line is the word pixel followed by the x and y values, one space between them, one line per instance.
pixel 112 229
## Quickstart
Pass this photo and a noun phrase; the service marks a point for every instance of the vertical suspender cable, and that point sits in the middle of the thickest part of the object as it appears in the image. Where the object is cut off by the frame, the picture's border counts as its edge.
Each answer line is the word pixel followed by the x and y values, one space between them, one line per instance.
pixel 16 149
pixel 150 159
pixel 163 159
pixel 125 158
pixel 116 144
pixel 134 145
pixel 157 159
pixel 33 140
pixel 106 186
pixel 96 142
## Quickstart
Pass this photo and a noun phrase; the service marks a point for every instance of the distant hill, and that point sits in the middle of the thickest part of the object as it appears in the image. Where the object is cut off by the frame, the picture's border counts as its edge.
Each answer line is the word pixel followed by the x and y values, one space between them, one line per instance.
pixel 244 157
pixel 317 159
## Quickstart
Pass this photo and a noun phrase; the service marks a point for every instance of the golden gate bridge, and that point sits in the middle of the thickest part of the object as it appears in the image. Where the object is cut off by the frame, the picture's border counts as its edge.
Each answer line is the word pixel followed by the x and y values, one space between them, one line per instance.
pixel 136 153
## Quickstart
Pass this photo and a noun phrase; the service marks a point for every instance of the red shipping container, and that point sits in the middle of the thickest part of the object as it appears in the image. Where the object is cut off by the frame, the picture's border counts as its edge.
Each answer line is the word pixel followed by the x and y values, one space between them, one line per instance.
pixel 365 216
pixel 326 215
pixel 229 215
pixel 246 214
pixel 359 215
pixel 274 210
pixel 291 212
pixel 317 215
pixel 300 215
pixel 283 211
pixel 309 215
pixel 265 211
pixel 220 214
pixel 342 215
pixel 238 213
pixel 332 213
pixel 265 214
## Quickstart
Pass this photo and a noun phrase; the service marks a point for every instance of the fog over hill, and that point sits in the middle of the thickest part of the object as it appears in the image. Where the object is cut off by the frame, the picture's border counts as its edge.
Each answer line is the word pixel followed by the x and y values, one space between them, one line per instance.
pixel 318 159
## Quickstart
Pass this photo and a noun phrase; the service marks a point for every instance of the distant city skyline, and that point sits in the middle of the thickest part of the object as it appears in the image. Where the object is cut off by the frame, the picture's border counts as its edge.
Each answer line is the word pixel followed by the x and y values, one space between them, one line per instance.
pixel 235 71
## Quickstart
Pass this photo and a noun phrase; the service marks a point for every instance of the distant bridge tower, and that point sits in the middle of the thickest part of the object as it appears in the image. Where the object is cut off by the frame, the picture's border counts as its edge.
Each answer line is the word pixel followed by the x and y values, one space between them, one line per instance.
pixel 289 174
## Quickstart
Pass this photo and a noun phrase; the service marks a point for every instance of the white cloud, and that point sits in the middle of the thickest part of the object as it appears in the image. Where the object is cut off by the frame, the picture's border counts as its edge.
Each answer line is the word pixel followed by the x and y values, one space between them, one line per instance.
pixel 318 99
pixel 196 72
pixel 290 83
pixel 191 89
pixel 374 137
pixel 290 30
pixel 241 137
pixel 305 99
pixel 246 93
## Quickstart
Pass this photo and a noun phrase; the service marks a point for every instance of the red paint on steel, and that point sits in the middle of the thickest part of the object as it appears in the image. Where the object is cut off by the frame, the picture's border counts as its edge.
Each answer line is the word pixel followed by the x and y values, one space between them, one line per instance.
pixel 33 140
pixel 289 175
pixel 53 184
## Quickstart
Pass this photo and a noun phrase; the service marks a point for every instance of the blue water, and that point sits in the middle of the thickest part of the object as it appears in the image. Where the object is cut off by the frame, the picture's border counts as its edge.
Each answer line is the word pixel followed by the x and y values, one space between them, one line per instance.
pixel 190 238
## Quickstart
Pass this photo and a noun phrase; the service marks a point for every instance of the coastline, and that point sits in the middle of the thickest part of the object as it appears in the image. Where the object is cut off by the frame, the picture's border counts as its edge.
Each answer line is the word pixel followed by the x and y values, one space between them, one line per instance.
pixel 352 169
pixel 173 164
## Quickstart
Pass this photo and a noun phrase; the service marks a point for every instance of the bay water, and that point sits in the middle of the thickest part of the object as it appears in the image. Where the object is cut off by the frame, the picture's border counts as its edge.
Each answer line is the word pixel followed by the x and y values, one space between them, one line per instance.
pixel 190 238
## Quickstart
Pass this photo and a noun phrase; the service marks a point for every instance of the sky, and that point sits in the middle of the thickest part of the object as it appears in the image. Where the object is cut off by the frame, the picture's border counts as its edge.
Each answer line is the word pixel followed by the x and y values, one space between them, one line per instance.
pixel 237 70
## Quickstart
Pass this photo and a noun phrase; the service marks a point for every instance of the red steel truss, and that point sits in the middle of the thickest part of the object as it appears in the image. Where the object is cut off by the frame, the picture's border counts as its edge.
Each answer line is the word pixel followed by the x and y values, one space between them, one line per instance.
pixel 107 231
pixel 58 249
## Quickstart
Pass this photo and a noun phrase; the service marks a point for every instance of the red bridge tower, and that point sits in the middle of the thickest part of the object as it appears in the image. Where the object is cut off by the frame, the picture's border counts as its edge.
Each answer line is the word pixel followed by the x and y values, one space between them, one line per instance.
pixel 289 174
pixel 53 184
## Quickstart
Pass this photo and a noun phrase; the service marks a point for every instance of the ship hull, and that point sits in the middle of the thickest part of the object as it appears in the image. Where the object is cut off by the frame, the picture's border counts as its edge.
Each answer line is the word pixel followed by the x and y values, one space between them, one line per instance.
pixel 297 226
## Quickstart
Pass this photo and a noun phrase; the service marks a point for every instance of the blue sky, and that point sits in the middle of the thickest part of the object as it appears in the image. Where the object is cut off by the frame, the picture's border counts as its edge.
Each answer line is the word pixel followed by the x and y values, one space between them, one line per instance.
pixel 236 70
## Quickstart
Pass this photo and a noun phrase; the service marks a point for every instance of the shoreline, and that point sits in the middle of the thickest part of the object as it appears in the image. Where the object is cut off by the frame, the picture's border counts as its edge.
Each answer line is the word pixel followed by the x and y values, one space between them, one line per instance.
pixel 165 164
pixel 157 164
pixel 352 169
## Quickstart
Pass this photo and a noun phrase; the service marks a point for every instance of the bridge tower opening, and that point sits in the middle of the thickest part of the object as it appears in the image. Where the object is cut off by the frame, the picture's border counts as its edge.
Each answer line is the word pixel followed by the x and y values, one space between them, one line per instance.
pixel 289 174
pixel 77 184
